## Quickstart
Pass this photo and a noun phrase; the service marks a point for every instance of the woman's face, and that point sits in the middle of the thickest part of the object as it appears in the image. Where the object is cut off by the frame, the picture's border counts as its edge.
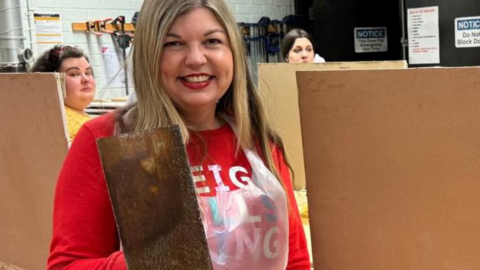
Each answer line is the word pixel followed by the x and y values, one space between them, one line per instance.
pixel 301 52
pixel 197 63
pixel 79 82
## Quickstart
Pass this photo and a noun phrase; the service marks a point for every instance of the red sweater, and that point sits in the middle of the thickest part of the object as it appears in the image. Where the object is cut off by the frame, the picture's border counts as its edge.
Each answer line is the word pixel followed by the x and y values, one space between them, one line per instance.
pixel 84 231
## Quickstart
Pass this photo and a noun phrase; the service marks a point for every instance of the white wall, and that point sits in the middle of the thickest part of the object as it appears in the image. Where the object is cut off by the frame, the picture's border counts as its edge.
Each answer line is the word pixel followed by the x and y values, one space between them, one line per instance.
pixel 249 11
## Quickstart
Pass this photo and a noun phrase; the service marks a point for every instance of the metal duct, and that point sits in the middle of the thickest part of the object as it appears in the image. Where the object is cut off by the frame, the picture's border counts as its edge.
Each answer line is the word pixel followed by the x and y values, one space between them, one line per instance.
pixel 13 55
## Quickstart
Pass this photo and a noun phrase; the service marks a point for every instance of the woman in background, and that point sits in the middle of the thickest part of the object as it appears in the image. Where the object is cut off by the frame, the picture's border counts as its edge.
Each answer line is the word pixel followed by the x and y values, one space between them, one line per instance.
pixel 297 47
pixel 79 81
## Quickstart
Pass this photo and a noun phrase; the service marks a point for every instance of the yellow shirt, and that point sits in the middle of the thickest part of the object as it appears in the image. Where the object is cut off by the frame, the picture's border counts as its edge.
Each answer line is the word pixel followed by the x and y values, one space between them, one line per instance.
pixel 75 120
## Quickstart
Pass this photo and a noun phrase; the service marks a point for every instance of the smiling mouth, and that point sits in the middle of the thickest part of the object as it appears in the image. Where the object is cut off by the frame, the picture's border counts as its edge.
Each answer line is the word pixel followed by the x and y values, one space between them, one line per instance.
pixel 197 79
pixel 197 82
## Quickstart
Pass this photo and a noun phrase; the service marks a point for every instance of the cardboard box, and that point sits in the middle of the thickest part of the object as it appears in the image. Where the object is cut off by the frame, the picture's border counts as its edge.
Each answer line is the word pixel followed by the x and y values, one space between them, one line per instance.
pixel 392 162
pixel 33 144
pixel 278 89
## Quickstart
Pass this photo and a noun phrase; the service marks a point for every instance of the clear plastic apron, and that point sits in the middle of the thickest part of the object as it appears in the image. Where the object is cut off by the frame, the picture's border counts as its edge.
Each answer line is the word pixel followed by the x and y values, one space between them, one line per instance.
pixel 247 229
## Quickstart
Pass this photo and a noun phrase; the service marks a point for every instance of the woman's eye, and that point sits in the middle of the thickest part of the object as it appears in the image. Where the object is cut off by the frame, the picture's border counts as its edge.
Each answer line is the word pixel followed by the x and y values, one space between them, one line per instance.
pixel 213 41
pixel 171 44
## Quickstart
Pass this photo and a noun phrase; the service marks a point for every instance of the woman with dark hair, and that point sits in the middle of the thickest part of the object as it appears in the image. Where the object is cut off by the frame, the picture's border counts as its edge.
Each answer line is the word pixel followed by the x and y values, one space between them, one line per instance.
pixel 79 81
pixel 298 47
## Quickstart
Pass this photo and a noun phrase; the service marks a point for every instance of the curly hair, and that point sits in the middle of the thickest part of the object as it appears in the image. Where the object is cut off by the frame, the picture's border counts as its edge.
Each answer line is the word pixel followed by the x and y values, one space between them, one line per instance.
pixel 51 60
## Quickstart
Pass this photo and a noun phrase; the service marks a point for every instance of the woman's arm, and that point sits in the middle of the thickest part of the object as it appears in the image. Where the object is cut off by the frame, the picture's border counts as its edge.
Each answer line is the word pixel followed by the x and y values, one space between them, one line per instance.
pixel 84 230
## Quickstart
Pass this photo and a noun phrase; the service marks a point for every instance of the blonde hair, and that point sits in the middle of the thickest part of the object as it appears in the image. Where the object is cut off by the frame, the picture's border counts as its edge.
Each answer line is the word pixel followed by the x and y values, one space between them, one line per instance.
pixel 155 108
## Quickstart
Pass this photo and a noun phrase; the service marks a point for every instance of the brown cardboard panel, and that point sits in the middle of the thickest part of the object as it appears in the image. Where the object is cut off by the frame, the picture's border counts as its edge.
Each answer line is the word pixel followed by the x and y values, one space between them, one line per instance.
pixel 392 161
pixel 278 90
pixel 33 144
pixel 153 197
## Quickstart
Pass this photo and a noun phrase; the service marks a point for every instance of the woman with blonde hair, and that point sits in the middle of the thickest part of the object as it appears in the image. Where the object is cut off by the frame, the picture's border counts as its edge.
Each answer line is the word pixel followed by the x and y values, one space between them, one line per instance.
pixel 194 75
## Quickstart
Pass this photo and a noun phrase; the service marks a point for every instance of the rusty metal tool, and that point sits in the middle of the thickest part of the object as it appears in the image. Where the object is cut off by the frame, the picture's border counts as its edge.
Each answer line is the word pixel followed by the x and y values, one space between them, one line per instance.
pixel 154 200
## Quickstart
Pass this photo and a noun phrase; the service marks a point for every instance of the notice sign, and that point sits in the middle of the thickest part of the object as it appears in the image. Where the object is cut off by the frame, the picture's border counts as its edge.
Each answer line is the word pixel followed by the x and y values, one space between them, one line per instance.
pixel 423 36
pixel 48 30
pixel 467 32
pixel 370 39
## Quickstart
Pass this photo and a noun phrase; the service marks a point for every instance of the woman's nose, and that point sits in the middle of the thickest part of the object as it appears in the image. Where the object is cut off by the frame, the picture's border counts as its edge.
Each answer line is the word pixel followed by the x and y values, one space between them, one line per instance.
pixel 85 78
pixel 195 57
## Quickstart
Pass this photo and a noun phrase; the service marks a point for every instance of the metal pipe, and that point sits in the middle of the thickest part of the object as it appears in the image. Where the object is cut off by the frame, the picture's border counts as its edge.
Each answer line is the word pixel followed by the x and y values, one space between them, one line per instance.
pixel 13 55
pixel 31 26
pixel 403 40
pixel 253 49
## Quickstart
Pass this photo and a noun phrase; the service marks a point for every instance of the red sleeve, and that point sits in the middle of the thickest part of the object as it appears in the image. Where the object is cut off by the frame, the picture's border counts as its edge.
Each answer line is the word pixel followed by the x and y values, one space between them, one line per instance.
pixel 298 257
pixel 84 229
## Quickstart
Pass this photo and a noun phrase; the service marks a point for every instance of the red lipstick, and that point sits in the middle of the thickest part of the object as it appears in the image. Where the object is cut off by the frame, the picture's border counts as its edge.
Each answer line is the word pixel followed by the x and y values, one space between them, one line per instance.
pixel 187 82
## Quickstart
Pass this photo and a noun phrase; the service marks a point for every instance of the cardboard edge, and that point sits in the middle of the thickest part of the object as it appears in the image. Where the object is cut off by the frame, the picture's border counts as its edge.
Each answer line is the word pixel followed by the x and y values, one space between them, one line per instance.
pixel 60 78
pixel 4 266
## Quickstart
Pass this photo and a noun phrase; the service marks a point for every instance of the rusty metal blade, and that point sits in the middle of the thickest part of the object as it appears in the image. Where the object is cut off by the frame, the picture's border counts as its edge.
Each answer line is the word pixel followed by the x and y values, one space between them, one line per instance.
pixel 154 201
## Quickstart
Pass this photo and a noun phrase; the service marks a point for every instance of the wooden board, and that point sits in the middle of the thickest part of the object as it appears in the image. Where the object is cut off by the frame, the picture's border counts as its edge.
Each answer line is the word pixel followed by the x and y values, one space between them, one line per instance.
pixel 154 200
pixel 33 144
pixel 392 163
pixel 278 89
pixel 83 27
